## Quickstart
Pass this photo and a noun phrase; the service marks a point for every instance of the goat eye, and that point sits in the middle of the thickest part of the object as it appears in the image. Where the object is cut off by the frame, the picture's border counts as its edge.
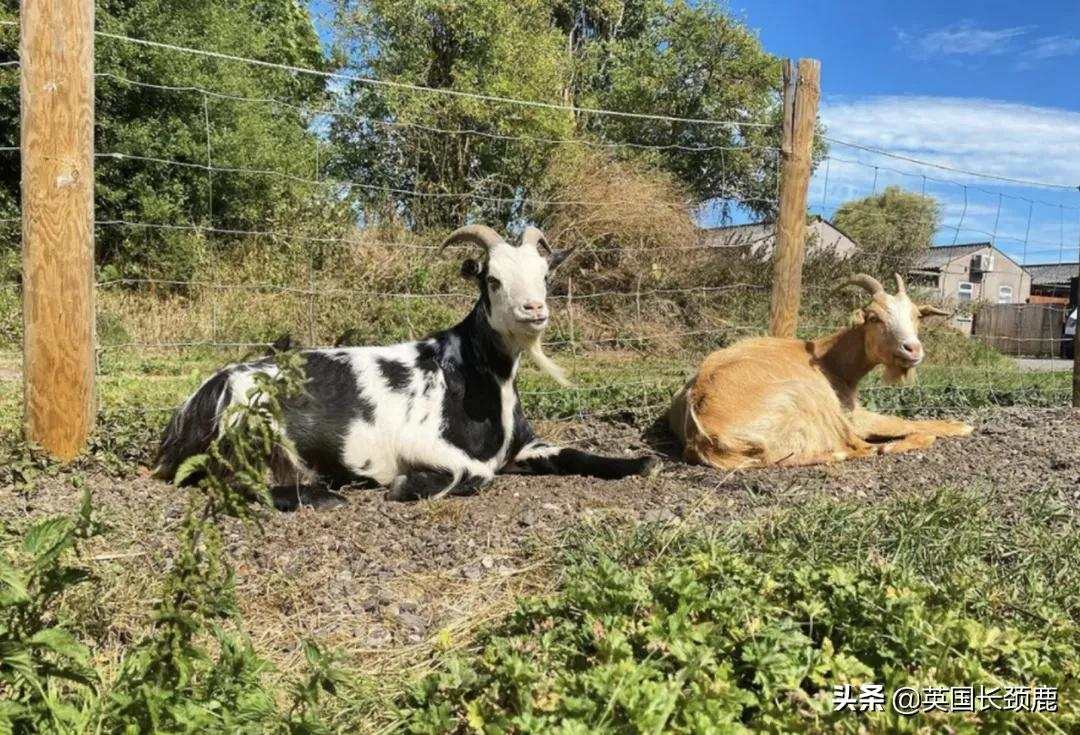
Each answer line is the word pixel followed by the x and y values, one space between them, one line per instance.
pixel 493 283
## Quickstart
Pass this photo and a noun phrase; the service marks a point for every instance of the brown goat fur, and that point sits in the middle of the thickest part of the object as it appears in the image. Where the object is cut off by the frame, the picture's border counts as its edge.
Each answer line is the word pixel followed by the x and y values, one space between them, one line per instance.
pixel 770 401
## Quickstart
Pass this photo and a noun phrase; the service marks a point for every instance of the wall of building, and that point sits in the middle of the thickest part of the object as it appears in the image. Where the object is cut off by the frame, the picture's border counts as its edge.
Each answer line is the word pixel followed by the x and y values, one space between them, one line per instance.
pixel 985 287
pixel 822 236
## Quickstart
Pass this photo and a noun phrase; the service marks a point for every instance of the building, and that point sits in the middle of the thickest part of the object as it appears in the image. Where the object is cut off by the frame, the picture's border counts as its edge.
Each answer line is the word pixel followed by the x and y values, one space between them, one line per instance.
pixel 759 238
pixel 970 273
pixel 1052 283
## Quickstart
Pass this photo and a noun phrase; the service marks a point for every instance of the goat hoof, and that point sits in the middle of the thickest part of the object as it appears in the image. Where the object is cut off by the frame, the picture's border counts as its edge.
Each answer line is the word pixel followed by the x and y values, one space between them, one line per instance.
pixel 398 491
pixel 288 499
pixel 395 495
pixel 650 467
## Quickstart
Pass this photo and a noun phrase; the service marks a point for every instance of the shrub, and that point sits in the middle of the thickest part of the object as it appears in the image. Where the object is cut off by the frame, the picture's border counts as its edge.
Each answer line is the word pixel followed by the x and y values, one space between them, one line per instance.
pixel 192 673
pixel 750 631
pixel 46 678
pixel 626 217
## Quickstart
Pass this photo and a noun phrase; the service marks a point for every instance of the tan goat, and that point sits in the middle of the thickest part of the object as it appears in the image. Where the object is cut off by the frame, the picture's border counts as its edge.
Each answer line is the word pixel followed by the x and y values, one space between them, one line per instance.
pixel 770 401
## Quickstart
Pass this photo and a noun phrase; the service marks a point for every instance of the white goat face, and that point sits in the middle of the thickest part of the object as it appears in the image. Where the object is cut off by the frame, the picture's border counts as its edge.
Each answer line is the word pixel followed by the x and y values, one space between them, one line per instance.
pixel 515 283
pixel 892 333
pixel 513 286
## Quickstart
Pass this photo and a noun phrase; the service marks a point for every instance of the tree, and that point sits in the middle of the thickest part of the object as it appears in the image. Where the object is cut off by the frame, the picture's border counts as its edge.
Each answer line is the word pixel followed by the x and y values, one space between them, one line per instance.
pixel 893 228
pixel 390 138
pixel 9 138
pixel 190 127
pixel 673 59
pixel 680 60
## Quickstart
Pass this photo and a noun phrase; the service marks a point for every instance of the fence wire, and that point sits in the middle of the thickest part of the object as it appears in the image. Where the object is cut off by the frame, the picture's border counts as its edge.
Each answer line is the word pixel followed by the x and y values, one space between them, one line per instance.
pixel 631 320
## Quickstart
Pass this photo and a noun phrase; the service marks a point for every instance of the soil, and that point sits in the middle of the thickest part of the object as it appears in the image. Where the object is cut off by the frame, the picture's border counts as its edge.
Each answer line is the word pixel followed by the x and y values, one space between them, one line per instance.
pixel 389 581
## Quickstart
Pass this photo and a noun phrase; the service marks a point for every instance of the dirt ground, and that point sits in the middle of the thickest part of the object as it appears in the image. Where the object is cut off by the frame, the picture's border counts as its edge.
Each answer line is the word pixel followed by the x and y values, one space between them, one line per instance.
pixel 388 581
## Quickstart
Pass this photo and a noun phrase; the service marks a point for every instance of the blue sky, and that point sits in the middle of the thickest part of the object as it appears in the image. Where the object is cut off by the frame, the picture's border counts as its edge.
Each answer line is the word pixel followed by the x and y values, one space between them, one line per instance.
pixel 985 86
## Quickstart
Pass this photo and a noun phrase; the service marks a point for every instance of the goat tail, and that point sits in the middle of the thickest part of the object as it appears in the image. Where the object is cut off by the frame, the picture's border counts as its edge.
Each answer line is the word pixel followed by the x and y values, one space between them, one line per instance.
pixel 699 445
pixel 193 427
pixel 691 415
pixel 681 415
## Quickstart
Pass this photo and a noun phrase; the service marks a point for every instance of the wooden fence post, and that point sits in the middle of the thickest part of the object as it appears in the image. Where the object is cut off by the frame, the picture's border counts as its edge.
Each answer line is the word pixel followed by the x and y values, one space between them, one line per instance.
pixel 56 55
pixel 800 117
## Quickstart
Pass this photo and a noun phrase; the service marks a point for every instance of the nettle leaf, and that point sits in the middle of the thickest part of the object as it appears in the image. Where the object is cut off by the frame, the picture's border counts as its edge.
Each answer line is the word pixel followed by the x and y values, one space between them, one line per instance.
pixel 62 643
pixel 16 657
pixel 15 583
pixel 10 712
pixel 84 675
pixel 47 538
pixel 190 466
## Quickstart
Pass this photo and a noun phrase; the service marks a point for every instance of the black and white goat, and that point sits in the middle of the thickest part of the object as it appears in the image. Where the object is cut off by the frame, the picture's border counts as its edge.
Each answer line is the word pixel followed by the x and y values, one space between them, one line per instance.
pixel 429 418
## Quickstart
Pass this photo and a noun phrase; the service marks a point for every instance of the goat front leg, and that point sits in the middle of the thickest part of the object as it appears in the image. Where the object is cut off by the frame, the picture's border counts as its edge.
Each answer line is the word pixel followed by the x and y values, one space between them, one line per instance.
pixel 541 459
pixel 420 484
pixel 876 426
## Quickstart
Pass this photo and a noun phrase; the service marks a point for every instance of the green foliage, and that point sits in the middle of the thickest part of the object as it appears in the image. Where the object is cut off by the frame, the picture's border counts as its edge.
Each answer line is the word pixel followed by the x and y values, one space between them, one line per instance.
pixel 182 124
pixel 893 228
pixel 171 681
pixel 669 58
pixel 45 672
pixel 749 631
pixel 192 673
pixel 480 47
pixel 681 59
pixel 123 441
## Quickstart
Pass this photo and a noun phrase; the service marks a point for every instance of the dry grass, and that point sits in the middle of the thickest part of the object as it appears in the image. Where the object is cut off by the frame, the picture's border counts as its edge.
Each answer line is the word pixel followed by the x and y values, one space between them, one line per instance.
pixel 384 291
pixel 615 211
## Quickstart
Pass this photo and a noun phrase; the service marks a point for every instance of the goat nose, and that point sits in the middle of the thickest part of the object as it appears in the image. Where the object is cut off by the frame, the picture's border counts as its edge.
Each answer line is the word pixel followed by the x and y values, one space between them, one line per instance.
pixel 913 348
pixel 534 306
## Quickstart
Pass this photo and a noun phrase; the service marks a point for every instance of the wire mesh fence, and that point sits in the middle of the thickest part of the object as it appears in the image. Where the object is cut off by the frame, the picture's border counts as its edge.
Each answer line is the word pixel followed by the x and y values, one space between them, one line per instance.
pixel 351 260
pixel 615 305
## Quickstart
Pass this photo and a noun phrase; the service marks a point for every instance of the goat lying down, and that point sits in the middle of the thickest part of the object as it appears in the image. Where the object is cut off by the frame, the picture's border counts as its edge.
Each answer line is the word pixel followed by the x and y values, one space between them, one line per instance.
pixel 770 401
pixel 429 418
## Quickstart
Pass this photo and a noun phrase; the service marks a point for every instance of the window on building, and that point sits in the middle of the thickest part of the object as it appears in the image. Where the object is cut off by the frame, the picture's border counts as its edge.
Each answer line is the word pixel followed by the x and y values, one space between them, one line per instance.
pixel 1005 294
pixel 966 291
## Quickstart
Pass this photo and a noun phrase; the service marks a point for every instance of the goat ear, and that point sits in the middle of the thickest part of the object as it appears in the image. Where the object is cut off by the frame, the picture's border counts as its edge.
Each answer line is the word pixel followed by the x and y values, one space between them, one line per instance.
pixel 470 268
pixel 931 310
pixel 556 258
pixel 858 317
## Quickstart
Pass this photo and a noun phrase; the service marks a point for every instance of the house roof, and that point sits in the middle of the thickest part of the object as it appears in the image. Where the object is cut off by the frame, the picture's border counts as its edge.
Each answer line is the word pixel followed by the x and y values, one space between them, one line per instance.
pixel 734 236
pixel 1052 274
pixel 751 233
pixel 940 256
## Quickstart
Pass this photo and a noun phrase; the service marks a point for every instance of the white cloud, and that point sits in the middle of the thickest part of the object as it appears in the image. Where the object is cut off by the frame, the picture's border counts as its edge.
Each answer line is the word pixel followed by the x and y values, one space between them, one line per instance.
pixel 999 139
pixel 966 39
pixel 962 39
pixel 1049 47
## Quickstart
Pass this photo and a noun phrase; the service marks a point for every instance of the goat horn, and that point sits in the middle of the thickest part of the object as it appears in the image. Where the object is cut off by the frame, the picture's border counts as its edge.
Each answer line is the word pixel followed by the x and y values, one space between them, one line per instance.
pixel 929 310
pixel 868 283
pixel 481 235
pixel 899 283
pixel 533 236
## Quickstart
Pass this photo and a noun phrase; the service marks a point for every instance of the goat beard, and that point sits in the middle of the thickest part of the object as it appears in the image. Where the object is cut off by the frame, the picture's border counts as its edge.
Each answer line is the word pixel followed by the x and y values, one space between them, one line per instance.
pixel 532 346
pixel 897 375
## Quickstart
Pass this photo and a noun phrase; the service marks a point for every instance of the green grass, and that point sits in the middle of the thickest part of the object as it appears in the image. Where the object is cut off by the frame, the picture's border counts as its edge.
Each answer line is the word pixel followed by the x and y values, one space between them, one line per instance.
pixel 748 629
